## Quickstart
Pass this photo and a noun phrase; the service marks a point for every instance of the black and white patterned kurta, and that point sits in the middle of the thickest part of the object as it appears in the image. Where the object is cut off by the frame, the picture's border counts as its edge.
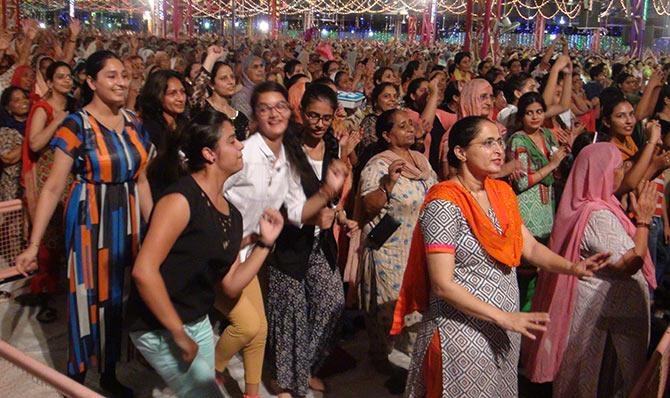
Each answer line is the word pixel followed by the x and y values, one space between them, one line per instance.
pixel 479 359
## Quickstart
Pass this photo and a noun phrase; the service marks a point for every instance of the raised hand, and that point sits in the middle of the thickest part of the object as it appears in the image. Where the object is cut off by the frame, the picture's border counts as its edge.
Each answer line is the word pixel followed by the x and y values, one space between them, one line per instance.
pixel 75 28
pixel 395 170
pixel 335 176
pixel 643 201
pixel 348 142
pixel 270 225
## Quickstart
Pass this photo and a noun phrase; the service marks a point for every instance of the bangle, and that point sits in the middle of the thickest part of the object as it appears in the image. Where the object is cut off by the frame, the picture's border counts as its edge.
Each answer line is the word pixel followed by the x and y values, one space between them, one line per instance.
pixel 386 192
pixel 36 244
pixel 263 245
pixel 642 225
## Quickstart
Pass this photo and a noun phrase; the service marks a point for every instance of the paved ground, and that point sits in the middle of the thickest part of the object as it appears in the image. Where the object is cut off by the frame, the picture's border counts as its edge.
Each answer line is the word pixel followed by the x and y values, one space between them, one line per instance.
pixel 48 344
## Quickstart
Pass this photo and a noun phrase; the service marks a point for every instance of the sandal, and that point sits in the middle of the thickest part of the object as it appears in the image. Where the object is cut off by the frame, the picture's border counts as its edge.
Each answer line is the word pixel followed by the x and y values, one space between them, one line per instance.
pixel 47 315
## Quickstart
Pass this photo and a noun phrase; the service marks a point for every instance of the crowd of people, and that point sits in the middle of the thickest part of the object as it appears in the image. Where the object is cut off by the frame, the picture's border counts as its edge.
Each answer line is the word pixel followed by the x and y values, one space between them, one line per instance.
pixel 491 217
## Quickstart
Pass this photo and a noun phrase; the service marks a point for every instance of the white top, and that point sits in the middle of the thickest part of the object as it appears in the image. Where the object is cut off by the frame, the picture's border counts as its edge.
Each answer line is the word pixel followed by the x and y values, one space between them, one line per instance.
pixel 506 116
pixel 264 182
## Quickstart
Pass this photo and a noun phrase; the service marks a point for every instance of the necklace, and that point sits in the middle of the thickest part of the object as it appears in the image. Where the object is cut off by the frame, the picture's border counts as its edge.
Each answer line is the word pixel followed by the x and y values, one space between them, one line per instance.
pixel 465 186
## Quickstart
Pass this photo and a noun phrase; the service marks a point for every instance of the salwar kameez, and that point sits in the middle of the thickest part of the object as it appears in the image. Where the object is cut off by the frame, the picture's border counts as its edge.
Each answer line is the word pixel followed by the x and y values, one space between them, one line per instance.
pixel 609 332
pixel 479 359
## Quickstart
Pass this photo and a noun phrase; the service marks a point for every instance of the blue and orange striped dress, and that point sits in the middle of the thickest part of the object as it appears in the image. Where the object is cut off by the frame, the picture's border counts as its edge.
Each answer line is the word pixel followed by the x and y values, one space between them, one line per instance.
pixel 102 232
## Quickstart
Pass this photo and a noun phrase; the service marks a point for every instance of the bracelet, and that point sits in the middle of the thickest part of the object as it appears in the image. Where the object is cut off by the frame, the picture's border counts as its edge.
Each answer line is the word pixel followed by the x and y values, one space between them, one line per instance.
pixel 263 245
pixel 642 225
pixel 34 244
pixel 386 192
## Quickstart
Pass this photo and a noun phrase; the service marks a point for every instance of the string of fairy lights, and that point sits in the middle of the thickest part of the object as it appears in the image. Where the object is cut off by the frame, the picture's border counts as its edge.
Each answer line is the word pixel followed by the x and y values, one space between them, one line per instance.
pixel 526 9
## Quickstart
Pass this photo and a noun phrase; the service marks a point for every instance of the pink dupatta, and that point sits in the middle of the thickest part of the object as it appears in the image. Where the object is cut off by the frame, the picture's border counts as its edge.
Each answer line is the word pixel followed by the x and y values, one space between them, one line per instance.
pixel 590 187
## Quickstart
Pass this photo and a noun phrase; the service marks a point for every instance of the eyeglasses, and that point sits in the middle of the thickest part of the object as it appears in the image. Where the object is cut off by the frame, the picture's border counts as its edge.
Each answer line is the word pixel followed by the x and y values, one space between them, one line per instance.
pixel 265 110
pixel 67 76
pixel 315 117
pixel 490 143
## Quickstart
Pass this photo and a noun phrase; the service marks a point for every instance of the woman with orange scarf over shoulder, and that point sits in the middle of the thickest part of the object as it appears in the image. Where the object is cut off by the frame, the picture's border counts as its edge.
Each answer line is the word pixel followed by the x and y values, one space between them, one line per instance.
pixel 461 275
pixel 604 320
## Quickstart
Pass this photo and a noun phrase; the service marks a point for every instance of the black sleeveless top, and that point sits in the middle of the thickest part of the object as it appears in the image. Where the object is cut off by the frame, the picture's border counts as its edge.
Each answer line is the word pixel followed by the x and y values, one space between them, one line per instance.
pixel 199 259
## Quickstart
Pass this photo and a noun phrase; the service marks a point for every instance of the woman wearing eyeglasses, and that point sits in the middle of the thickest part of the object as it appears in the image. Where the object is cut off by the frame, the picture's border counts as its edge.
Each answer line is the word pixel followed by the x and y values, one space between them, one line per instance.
pixel 305 296
pixel 461 275
pixel 37 161
pixel 537 149
pixel 393 182
pixel 269 179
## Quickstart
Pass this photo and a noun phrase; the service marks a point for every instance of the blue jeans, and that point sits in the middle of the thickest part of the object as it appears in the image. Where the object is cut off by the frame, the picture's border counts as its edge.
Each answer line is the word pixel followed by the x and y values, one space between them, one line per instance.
pixel 658 250
pixel 197 380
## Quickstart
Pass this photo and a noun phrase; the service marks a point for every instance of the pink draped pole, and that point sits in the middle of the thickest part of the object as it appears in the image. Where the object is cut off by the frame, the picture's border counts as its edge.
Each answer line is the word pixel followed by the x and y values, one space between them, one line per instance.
pixel 468 25
pixel 486 43
pixel 165 18
pixel 176 21
pixel 496 39
pixel 274 22
pixel 190 20
pixel 427 24
pixel 538 41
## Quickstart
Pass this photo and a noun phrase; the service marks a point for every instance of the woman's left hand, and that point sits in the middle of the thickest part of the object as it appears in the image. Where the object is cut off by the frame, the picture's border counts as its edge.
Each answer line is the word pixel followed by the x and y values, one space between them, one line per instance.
pixel 336 174
pixel 270 225
pixel 350 226
pixel 589 266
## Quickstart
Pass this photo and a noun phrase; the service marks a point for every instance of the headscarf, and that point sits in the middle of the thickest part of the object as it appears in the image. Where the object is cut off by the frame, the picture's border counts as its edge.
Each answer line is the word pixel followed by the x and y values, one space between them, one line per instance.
pixel 505 247
pixel 145 53
pixel 470 104
pixel 18 75
pixel 590 187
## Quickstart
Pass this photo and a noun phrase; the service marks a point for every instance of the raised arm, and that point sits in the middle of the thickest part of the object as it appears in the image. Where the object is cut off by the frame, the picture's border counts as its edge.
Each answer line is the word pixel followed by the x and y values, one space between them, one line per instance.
pixel 71 45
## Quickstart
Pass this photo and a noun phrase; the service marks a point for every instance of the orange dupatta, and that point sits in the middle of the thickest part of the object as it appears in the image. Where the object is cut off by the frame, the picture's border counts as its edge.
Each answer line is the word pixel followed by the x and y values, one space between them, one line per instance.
pixel 505 248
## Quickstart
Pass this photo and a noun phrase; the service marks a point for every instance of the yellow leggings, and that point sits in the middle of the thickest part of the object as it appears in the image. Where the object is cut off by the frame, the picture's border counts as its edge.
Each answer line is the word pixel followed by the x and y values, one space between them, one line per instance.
pixel 247 331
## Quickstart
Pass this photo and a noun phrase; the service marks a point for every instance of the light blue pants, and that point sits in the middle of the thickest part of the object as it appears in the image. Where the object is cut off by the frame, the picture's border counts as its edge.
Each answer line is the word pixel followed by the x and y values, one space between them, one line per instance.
pixel 197 380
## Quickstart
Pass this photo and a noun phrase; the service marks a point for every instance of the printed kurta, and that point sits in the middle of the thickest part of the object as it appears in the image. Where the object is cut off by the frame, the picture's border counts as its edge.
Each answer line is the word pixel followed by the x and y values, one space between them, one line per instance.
pixel 536 203
pixel 479 358
pixel 383 269
pixel 102 232
pixel 609 332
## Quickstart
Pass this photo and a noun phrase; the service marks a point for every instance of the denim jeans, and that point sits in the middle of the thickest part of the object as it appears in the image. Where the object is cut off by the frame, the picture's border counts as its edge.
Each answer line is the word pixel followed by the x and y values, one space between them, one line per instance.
pixel 198 379
pixel 658 250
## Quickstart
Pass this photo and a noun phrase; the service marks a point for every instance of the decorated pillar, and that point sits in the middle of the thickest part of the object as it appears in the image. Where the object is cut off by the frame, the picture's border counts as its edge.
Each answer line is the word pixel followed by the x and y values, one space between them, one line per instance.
pixel 4 14
pixel 274 21
pixel 175 19
pixel 164 17
pixel 190 20
pixel 595 41
pixel 637 27
pixel 411 28
pixel 486 41
pixel 496 35
pixel 468 25
pixel 427 24
pixel 538 34
pixel 17 10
